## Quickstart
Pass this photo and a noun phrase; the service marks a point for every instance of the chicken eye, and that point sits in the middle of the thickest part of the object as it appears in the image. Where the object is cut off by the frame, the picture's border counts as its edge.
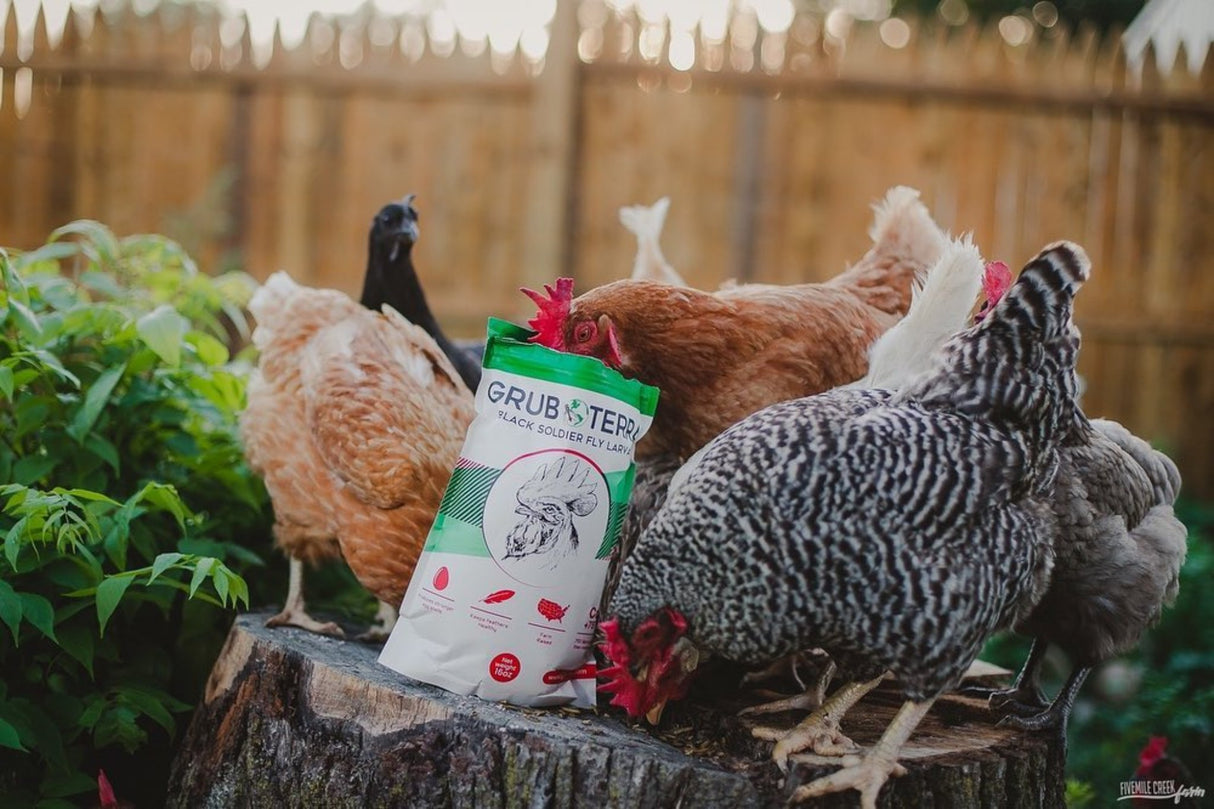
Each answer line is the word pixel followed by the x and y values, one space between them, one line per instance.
pixel 584 331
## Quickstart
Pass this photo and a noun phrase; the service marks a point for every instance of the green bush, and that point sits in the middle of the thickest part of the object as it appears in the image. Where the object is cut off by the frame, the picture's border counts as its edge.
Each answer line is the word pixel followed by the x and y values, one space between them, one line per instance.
pixel 128 512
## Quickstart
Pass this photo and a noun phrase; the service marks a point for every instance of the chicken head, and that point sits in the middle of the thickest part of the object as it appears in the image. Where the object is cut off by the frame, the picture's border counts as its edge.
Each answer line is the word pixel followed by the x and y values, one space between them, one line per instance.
pixel 547 503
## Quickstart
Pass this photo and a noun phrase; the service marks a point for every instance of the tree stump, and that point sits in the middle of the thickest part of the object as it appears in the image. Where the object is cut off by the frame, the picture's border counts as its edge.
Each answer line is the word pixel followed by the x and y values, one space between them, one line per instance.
pixel 292 719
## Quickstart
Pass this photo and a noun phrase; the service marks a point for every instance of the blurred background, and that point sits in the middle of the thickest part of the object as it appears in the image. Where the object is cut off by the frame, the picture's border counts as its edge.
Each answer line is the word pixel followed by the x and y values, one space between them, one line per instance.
pixel 264 135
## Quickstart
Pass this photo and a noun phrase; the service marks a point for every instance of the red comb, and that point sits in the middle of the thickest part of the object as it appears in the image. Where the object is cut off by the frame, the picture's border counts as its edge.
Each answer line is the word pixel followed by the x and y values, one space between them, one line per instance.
pixel 105 792
pixel 554 309
pixel 996 281
pixel 1155 750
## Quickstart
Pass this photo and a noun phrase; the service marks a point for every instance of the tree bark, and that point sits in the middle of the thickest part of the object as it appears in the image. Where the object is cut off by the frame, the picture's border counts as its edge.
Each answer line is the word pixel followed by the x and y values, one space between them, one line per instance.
pixel 292 719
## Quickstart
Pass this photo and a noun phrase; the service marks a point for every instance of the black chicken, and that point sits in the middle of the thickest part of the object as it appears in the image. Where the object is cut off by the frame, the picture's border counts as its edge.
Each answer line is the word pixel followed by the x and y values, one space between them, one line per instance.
pixel 392 279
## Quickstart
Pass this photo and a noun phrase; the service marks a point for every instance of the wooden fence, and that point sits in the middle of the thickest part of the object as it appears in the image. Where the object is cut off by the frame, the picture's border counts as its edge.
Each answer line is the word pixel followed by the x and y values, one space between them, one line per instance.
pixel 772 146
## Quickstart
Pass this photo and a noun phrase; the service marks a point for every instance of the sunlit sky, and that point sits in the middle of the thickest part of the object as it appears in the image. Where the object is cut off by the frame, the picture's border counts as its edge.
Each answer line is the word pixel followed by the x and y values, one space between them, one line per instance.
pixel 507 25
pixel 503 24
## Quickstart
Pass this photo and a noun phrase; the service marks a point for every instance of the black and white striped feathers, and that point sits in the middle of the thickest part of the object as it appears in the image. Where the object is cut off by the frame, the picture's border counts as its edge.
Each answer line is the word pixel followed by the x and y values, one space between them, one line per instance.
pixel 895 531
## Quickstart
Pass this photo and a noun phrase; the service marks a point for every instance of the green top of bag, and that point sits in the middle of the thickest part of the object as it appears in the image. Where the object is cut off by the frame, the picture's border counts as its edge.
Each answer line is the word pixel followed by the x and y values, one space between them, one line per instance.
pixel 507 349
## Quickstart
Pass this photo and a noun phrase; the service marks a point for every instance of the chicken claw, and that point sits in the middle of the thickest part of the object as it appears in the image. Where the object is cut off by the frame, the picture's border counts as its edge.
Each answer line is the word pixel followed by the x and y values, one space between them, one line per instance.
pixel 385 619
pixel 869 774
pixel 866 775
pixel 295 613
pixel 301 619
pixel 812 697
pixel 807 701
pixel 819 731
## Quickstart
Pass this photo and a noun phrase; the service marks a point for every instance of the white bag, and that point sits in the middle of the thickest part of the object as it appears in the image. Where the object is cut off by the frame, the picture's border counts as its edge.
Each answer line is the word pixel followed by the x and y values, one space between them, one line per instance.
pixel 504 600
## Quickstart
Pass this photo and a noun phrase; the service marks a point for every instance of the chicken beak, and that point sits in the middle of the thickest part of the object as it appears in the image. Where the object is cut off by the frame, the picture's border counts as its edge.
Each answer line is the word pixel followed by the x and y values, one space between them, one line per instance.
pixel 655 713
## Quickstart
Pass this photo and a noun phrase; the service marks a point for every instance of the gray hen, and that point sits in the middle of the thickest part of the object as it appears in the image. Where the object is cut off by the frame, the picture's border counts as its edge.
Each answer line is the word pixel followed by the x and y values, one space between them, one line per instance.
pixel 1118 556
pixel 895 531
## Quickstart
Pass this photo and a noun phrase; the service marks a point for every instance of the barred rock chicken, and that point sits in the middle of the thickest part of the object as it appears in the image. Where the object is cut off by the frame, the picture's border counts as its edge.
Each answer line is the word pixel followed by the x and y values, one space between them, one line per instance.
pixel 354 419
pixel 720 356
pixel 391 279
pixel 646 224
pixel 940 308
pixel 1118 556
pixel 895 531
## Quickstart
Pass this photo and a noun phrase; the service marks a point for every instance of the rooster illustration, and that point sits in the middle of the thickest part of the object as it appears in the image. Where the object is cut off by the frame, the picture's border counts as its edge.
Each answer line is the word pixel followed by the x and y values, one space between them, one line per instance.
pixel 548 502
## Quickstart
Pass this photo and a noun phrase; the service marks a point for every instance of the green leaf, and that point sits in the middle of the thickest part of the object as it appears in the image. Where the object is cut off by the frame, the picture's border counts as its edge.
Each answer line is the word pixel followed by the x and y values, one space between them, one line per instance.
pixel 39 612
pixel 88 494
pixel 81 643
pixel 94 400
pixel 163 330
pixel 9 737
pixel 12 542
pixel 51 251
pixel 166 498
pixel 6 381
pixel 240 591
pixel 150 705
pixel 210 351
pixel 220 580
pixel 97 240
pixel 109 593
pixel 119 725
pixel 10 607
pixel 201 571
pixel 103 283
pixel 162 563
pixel 105 450
pixel 33 468
pixel 27 321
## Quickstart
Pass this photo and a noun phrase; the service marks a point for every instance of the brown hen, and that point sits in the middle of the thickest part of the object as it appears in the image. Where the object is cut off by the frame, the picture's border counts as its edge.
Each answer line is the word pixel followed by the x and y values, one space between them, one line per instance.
pixel 355 420
pixel 720 356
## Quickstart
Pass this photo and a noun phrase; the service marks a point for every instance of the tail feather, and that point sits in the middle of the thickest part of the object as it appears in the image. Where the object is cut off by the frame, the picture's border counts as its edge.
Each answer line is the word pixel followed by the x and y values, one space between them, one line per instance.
pixel 1017 367
pixel 903 226
pixel 646 223
pixel 1042 299
pixel 1159 468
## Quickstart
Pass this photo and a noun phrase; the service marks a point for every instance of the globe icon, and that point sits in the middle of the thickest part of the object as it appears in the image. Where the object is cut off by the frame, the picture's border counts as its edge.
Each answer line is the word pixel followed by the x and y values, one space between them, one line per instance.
pixel 576 412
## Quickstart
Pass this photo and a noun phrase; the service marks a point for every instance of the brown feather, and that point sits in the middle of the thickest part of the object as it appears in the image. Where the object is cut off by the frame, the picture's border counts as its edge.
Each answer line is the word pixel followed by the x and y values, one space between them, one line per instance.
pixel 355 420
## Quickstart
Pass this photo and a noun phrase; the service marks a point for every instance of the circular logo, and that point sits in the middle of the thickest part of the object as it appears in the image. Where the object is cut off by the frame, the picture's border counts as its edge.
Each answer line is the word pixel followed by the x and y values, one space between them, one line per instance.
pixel 505 667
pixel 576 412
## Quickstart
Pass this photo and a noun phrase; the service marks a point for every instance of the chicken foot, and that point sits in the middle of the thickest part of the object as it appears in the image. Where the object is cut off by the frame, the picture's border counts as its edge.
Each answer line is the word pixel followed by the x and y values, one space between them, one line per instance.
pixel 381 628
pixel 819 731
pixel 1024 696
pixel 869 774
pixel 1056 715
pixel 294 612
pixel 809 700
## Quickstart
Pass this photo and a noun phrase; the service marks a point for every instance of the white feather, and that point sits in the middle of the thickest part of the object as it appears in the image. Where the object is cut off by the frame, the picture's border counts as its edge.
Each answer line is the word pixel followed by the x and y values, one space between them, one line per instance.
pixel 938 310
pixel 646 223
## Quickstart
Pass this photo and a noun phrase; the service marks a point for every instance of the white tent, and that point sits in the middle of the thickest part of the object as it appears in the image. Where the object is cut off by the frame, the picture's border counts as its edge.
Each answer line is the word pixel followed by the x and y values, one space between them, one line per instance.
pixel 1166 24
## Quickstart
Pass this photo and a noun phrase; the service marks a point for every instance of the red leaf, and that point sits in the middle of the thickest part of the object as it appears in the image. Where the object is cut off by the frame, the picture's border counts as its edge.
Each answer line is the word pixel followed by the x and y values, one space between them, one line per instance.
pixel 498 597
